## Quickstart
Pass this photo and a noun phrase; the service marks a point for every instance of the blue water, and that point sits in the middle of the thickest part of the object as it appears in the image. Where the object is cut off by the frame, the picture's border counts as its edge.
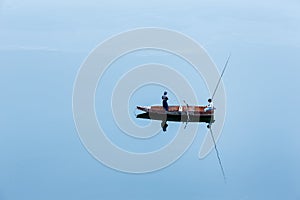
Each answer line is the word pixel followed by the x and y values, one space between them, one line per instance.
pixel 41 156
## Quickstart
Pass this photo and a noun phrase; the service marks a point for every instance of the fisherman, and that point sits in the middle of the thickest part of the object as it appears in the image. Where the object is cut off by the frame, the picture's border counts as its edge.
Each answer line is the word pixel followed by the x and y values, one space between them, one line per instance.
pixel 164 101
pixel 210 106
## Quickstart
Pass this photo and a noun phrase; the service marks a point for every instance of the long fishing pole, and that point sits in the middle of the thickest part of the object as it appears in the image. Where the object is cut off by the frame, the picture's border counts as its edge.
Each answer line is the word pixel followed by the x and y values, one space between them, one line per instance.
pixel 210 130
pixel 221 77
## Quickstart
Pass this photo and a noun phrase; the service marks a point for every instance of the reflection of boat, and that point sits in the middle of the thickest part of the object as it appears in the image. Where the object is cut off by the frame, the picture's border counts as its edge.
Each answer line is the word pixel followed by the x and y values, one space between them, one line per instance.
pixel 177 113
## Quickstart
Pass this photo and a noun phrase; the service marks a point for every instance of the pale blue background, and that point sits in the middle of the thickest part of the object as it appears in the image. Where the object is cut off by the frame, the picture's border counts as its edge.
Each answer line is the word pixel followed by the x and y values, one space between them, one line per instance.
pixel 42 45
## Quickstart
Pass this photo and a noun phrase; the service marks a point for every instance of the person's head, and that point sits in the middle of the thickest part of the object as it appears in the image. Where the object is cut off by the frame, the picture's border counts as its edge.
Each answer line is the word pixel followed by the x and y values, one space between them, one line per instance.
pixel 209 100
pixel 165 93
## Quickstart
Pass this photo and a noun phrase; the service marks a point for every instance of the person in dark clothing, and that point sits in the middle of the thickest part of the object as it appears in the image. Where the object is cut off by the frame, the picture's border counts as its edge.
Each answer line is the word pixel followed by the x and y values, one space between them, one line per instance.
pixel 164 101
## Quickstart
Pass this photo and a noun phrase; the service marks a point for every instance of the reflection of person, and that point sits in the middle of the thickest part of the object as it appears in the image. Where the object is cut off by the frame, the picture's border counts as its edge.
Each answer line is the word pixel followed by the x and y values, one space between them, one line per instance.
pixel 164 125
pixel 210 106
pixel 164 101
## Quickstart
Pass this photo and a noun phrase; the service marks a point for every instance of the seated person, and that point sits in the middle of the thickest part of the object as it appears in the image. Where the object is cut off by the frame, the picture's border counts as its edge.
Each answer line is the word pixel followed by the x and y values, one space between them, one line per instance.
pixel 210 106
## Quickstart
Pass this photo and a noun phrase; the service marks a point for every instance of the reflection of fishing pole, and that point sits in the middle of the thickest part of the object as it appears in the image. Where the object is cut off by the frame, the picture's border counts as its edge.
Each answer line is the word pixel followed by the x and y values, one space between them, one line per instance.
pixel 217 152
pixel 220 77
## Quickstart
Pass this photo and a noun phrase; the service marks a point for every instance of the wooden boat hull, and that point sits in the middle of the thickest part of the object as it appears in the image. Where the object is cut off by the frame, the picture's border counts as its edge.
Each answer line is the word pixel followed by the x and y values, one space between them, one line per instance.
pixel 177 114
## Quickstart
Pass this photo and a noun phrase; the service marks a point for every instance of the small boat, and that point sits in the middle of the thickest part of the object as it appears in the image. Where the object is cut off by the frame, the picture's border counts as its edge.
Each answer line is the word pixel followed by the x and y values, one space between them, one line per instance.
pixel 177 113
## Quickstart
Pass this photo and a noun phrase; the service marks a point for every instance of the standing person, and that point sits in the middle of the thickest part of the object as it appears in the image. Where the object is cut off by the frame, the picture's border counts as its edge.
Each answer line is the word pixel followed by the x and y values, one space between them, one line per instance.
pixel 164 101
pixel 210 106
